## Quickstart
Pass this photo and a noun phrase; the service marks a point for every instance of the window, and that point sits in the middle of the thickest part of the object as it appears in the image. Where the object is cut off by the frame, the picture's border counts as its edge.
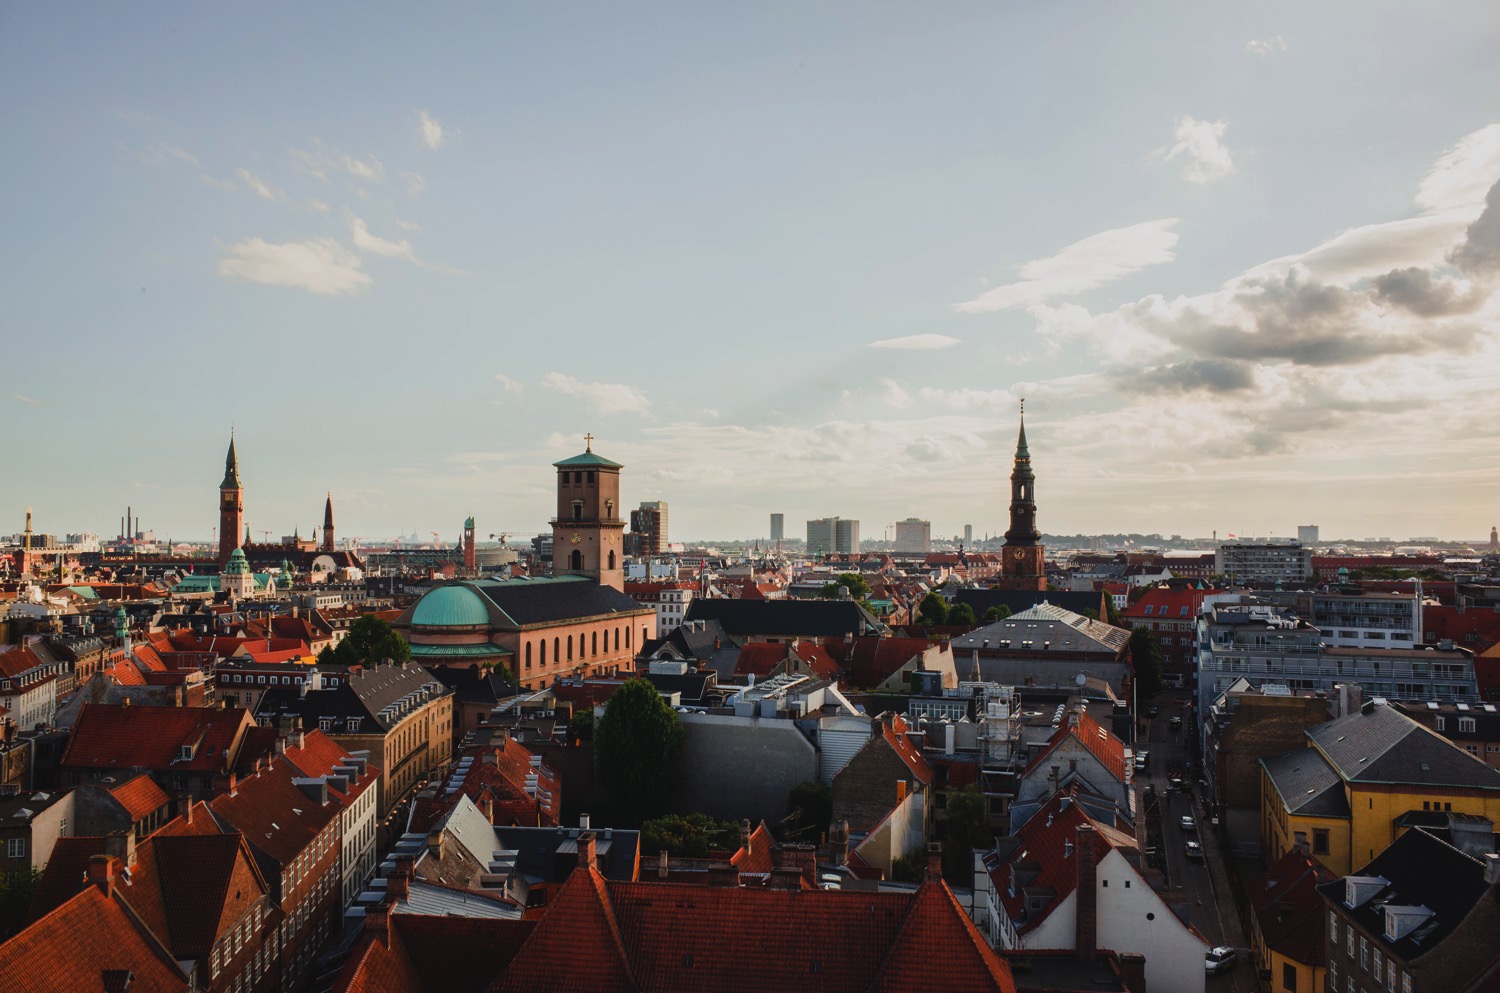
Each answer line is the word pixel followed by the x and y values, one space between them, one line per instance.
pixel 1378 965
pixel 1289 977
pixel 1320 841
pixel 1349 942
pixel 325 724
pixel 1333 927
pixel 1442 723
pixel 570 648
pixel 1466 725
pixel 595 637
pixel 15 848
pixel 1364 952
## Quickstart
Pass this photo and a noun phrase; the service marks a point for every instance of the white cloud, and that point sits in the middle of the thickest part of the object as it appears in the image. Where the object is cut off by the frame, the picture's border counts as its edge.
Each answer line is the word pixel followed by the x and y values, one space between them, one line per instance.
pixel 432 131
pixel 370 168
pixel 917 342
pixel 320 265
pixel 1266 46
pixel 23 398
pixel 408 225
pixel 320 162
pixel 318 205
pixel 414 182
pixel 375 245
pixel 162 153
pixel 1464 173
pixel 1083 265
pixel 510 385
pixel 1200 146
pixel 607 398
pixel 256 185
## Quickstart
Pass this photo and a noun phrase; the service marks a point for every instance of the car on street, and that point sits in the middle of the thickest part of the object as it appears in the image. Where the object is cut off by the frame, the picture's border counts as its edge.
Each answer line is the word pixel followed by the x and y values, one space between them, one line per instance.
pixel 1140 760
pixel 1216 960
pixel 1176 723
pixel 1151 711
pixel 1193 849
pixel 1187 823
pixel 1175 783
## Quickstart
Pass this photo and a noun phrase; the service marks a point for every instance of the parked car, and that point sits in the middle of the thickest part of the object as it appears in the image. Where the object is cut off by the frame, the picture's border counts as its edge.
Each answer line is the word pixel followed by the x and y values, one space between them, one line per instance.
pixel 1187 822
pixel 1140 761
pixel 1216 960
pixel 1193 849
pixel 1151 711
pixel 1176 723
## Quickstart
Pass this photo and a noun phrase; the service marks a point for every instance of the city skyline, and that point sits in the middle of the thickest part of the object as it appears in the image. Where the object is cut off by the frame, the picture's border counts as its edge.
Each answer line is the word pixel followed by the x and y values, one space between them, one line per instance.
pixel 1242 266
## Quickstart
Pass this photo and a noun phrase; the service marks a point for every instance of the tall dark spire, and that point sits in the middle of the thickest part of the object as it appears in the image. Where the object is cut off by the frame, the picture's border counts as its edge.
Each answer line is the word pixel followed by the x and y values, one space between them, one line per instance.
pixel 328 524
pixel 231 468
pixel 1022 452
pixel 1023 530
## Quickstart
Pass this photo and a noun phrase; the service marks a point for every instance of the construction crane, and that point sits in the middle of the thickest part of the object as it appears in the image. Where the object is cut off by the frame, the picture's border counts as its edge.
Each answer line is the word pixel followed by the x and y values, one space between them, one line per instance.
pixel 437 539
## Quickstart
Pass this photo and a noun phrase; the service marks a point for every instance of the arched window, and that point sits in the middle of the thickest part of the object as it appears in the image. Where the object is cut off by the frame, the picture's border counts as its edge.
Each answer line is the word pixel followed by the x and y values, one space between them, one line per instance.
pixel 544 653
pixel 611 558
pixel 556 650
pixel 577 510
pixel 609 509
pixel 617 638
pixel 570 648
pixel 643 635
pixel 528 653
pixel 575 561
pixel 627 637
pixel 594 650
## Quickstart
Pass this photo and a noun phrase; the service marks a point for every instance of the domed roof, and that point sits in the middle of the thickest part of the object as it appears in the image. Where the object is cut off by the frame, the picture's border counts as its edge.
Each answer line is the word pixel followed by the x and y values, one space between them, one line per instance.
pixel 237 563
pixel 450 606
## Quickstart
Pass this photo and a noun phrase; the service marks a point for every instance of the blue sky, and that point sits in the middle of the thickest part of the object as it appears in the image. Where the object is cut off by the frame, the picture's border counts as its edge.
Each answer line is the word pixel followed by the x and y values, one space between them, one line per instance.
pixel 776 257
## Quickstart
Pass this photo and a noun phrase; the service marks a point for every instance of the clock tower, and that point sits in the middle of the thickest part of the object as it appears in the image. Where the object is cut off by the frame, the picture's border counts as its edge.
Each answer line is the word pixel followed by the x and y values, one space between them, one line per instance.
pixel 231 505
pixel 1023 567
pixel 587 533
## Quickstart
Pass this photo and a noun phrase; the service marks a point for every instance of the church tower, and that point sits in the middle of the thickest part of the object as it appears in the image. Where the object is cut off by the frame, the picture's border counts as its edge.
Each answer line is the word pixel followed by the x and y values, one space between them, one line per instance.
pixel 471 560
pixel 587 533
pixel 328 524
pixel 1023 567
pixel 231 505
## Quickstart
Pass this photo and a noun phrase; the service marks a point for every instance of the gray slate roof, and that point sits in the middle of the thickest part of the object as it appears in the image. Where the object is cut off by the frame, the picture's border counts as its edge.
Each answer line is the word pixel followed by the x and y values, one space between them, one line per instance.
pixel 1045 622
pixel 1386 746
pixel 531 601
pixel 1307 783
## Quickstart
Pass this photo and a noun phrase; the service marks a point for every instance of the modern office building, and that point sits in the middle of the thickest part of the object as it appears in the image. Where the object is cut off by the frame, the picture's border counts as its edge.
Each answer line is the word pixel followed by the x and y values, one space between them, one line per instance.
pixel 1263 560
pixel 914 535
pixel 778 527
pixel 648 524
pixel 832 535
pixel 1307 534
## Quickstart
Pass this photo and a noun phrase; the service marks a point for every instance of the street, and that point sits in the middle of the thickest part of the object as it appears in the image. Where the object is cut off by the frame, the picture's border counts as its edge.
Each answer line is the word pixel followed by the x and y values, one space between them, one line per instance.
pixel 1201 883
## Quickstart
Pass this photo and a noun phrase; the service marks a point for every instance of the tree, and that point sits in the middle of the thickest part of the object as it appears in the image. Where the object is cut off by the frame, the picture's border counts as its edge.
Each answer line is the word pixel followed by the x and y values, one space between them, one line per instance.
pixel 851 581
pixel 16 891
pixel 811 804
pixel 967 828
pixel 637 746
pixel 581 724
pixel 1145 657
pixel 909 868
pixel 370 641
pixel 932 610
pixel 998 612
pixel 962 615
pixel 692 836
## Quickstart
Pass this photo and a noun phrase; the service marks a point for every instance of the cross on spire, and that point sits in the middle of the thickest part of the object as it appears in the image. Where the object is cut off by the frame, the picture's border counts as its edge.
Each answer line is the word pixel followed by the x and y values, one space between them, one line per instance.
pixel 588 442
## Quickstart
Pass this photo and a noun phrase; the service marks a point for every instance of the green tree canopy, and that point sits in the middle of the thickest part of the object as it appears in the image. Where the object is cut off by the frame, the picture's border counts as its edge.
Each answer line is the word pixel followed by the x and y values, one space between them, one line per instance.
pixel 692 836
pixel 637 747
pixel 967 828
pixel 370 641
pixel 811 806
pixel 932 610
pixel 1145 657
pixel 851 581
pixel 962 615
pixel 998 612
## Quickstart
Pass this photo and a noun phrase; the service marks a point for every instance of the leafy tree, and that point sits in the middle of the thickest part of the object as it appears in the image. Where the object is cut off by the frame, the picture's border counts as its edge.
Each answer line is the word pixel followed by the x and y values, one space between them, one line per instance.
pixel 851 581
pixel 692 836
pixel 637 746
pixel 909 868
pixel 962 615
pixel 812 811
pixel 370 641
pixel 967 828
pixel 581 724
pixel 1145 656
pixel 1112 612
pixel 932 610
pixel 998 612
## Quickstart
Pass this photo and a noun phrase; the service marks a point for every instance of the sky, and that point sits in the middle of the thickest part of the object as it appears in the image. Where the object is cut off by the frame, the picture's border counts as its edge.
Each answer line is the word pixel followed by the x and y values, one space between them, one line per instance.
pixel 807 258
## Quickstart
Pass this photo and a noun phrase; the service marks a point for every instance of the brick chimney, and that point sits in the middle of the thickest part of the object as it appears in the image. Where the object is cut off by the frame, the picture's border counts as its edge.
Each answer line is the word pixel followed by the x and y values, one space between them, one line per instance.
pixel 1087 899
pixel 378 922
pixel 1133 971
pixel 838 842
pixel 398 883
pixel 934 861
pixel 121 844
pixel 435 843
pixel 664 866
pixel 102 873
pixel 587 852
pixel 745 839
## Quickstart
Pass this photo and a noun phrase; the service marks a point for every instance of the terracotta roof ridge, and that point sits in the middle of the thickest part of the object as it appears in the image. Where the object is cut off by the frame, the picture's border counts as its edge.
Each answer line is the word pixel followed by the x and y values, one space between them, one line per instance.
pixel 934 897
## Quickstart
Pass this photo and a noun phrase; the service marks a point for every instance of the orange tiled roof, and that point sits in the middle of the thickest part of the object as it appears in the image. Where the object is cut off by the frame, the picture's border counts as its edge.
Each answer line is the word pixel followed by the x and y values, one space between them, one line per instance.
pixel 77 944
pixel 276 817
pixel 576 946
pixel 116 736
pixel 1047 841
pixel 140 796
pixel 1109 750
pixel 757 861
pixel 895 736
pixel 938 948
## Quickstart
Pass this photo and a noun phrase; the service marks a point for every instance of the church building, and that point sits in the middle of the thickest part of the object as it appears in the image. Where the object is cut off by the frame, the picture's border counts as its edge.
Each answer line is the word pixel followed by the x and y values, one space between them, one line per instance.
pixel 1022 567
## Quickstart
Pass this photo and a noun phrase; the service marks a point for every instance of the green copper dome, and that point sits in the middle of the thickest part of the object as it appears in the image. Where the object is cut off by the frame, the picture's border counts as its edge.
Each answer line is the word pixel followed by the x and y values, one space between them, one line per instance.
pixel 237 564
pixel 450 606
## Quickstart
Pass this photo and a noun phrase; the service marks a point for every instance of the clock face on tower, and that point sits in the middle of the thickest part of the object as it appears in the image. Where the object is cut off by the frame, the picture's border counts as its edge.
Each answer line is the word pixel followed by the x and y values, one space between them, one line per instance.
pixel 575 537
pixel 1019 553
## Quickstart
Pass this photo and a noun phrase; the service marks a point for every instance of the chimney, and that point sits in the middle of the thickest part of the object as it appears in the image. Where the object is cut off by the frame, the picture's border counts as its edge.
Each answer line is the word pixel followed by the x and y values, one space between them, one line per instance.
pixel 838 842
pixel 900 791
pixel 1087 931
pixel 587 857
pixel 102 873
pixel 583 822
pixel 723 875
pixel 398 884
pixel 745 841
pixel 378 920
pixel 121 844
pixel 1053 783
pixel 487 804
pixel 934 861
pixel 1492 869
pixel 435 843
pixel 1133 971
pixel 663 866
pixel 184 805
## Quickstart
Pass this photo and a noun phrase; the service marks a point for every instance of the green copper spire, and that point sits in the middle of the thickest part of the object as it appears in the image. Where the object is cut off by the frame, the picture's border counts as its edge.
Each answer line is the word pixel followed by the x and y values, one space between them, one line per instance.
pixel 1022 452
pixel 247 534
pixel 231 468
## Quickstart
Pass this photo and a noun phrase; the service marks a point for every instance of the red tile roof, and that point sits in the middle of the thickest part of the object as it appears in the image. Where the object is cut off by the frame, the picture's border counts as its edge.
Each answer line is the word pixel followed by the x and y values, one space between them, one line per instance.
pixel 938 948
pixel 575 947
pixel 758 658
pixel 895 736
pixel 17 660
pixel 756 861
pixel 319 755
pixel 120 736
pixel 277 818
pixel 140 796
pixel 1474 628
pixel 1109 750
pixel 64 874
pixel 1047 843
pixel 75 945
pixel 1289 910
pixel 868 662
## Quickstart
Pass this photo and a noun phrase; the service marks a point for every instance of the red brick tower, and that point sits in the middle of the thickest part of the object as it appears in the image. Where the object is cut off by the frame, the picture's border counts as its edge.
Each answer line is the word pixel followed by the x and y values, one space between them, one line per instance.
pixel 470 558
pixel 231 505
pixel 588 532
pixel 1022 568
